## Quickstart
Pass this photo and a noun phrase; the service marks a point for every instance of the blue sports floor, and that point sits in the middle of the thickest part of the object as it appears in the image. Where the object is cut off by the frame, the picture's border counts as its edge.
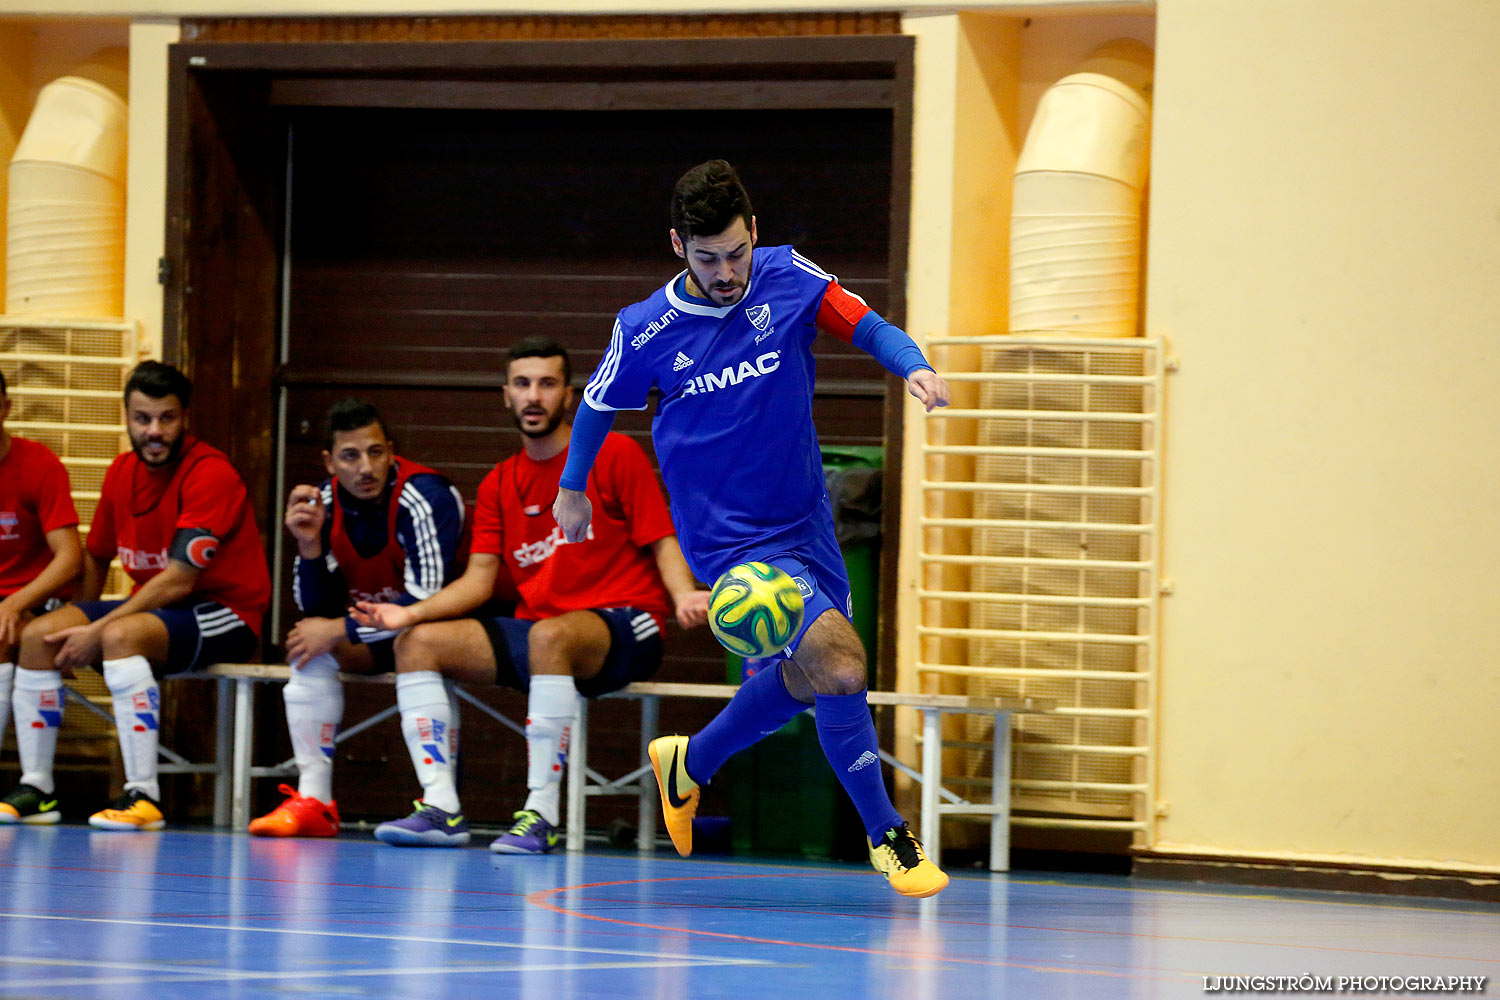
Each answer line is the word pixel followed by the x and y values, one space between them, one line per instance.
pixel 203 914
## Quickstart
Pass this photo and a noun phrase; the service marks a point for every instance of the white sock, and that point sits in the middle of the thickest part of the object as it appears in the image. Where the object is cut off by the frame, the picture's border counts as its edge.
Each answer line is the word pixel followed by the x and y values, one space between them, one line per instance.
pixel 7 681
pixel 314 701
pixel 550 710
pixel 137 703
pixel 426 717
pixel 452 688
pixel 39 708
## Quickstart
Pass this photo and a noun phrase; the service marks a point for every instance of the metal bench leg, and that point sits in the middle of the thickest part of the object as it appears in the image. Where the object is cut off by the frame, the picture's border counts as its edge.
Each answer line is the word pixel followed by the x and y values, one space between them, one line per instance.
pixel 223 752
pixel 1000 794
pixel 645 838
pixel 578 752
pixel 932 782
pixel 244 736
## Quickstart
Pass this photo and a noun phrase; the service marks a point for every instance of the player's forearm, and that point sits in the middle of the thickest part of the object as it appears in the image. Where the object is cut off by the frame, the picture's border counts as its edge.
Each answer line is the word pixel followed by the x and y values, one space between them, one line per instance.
pixel 589 428
pixel 679 580
pixel 62 570
pixel 460 597
pixel 889 344
pixel 173 584
pixel 95 570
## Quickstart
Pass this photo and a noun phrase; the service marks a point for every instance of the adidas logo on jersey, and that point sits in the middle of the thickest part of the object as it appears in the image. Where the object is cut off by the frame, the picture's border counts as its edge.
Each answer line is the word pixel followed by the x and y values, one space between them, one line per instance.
pixel 865 760
pixel 681 362
pixel 732 375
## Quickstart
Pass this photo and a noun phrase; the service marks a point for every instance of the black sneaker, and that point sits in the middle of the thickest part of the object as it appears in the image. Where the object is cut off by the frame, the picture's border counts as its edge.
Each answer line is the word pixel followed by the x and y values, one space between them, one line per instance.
pixel 29 804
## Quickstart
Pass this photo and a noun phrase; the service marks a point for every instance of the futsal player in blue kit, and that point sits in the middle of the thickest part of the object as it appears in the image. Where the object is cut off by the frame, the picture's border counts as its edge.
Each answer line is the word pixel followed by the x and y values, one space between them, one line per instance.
pixel 728 345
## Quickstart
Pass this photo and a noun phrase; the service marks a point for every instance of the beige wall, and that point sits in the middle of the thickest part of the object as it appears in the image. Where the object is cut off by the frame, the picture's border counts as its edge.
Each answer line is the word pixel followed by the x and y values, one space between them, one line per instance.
pixel 237 8
pixel 146 197
pixel 1325 257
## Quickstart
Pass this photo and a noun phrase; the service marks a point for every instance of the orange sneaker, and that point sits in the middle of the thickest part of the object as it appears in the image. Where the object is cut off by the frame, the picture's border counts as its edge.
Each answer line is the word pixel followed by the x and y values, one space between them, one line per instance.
pixel 679 792
pixel 299 816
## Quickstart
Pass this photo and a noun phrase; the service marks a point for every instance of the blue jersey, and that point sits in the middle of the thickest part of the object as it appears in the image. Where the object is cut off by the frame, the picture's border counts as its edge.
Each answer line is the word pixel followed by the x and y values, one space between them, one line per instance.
pixel 733 431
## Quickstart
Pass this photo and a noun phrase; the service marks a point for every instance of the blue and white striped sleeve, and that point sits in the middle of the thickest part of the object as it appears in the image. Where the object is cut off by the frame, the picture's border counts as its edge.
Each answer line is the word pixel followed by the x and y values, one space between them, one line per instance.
pixel 620 382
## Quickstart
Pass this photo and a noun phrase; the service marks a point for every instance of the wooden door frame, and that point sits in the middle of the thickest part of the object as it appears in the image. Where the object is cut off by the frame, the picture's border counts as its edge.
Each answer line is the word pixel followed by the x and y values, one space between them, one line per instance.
pixel 221 298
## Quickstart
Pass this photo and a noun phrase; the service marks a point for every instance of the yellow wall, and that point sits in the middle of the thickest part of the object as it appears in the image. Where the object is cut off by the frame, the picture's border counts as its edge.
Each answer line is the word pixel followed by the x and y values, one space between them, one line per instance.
pixel 1325 257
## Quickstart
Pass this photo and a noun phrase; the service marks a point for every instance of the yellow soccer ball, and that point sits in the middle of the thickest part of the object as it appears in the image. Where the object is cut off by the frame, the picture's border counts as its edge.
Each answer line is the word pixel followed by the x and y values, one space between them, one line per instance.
pixel 755 609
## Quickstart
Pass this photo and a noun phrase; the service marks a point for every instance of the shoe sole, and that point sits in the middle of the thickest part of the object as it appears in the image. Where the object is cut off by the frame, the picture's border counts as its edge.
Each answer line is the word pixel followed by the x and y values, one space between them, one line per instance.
pixel 35 819
pixel 405 838
pixel 500 848
pixel 117 827
pixel 683 840
pixel 924 893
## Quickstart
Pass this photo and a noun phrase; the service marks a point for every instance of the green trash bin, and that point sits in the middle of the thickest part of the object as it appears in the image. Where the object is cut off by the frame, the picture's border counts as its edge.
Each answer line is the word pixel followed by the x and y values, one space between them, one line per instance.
pixel 784 797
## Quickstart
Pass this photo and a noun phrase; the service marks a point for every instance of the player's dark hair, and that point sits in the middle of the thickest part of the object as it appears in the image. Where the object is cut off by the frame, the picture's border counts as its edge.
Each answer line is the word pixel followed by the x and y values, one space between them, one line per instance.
pixel 350 414
pixel 158 381
pixel 707 199
pixel 541 347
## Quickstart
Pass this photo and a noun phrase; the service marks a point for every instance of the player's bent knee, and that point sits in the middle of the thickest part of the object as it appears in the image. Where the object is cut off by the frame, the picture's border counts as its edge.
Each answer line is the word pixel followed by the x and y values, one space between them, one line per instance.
pixel 120 638
pixel 414 650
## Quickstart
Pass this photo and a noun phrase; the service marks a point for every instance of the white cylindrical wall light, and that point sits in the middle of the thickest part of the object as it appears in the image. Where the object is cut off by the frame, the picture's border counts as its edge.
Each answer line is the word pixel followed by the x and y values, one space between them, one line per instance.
pixel 1076 212
pixel 66 227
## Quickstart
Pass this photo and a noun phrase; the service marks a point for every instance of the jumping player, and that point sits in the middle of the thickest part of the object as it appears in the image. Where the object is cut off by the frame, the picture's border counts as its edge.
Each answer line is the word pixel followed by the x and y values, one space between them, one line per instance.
pixel 728 345
pixel 380 528
pixel 40 554
pixel 177 514
pixel 589 619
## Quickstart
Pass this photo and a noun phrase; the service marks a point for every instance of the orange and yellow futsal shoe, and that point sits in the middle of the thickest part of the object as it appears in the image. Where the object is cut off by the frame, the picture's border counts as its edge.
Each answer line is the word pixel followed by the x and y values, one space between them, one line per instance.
pixel 299 816
pixel 679 793
pixel 900 858
pixel 133 810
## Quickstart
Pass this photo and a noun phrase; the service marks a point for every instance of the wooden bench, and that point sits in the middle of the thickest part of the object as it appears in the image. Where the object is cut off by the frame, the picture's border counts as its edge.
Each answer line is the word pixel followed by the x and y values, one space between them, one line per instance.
pixel 233 768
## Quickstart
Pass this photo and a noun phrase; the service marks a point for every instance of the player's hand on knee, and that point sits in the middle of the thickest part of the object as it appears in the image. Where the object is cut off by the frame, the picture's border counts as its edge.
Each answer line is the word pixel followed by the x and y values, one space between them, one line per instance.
pixel 572 511
pixel 390 617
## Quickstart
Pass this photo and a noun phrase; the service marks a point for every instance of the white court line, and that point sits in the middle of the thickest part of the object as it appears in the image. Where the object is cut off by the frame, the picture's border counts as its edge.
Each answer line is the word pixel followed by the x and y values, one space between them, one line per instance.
pixel 625 952
pixel 177 974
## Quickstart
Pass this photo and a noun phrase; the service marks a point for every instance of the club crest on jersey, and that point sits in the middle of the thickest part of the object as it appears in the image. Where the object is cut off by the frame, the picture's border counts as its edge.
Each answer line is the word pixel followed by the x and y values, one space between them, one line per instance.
pixel 760 316
pixel 654 327
pixel 734 375
pixel 8 522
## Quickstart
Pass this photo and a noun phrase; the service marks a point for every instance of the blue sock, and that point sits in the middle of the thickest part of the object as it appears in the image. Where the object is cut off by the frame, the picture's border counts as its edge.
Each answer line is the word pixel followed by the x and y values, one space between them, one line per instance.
pixel 847 734
pixel 759 708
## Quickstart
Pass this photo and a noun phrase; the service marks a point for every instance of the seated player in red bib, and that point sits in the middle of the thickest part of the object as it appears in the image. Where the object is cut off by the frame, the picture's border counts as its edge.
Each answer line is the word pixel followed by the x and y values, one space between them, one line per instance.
pixel 177 515
pixel 380 528
pixel 589 619
pixel 40 555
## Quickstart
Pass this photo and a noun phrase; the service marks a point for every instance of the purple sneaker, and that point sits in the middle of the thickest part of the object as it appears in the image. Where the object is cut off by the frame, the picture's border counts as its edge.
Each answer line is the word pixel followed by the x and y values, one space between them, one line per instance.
pixel 531 834
pixel 427 826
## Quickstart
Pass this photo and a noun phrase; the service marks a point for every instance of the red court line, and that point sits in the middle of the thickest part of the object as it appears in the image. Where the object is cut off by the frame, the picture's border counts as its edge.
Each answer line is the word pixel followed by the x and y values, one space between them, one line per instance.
pixel 538 898
pixel 1022 927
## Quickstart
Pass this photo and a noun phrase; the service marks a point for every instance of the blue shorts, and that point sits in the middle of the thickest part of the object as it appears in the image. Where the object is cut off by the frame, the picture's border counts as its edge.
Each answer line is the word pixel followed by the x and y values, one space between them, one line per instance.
pixel 198 635
pixel 824 586
pixel 634 651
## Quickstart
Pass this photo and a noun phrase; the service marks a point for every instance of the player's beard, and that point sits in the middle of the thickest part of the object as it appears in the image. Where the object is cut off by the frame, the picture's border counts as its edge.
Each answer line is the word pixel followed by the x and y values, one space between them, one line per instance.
pixel 712 293
pixel 554 419
pixel 174 451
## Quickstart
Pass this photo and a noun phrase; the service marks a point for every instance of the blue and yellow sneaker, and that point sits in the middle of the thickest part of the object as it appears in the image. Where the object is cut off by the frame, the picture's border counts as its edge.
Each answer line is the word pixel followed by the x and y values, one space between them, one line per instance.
pixel 134 810
pixel 29 804
pixel 679 792
pixel 900 858
pixel 427 826
pixel 530 834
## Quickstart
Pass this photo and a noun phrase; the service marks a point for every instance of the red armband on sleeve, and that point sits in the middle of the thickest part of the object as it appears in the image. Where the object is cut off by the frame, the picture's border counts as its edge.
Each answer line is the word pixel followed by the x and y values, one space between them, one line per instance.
pixel 840 312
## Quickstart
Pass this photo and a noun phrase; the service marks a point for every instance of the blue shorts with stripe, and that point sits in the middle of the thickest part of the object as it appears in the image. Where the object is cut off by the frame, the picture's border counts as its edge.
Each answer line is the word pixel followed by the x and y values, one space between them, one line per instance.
pixel 199 634
pixel 634 651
